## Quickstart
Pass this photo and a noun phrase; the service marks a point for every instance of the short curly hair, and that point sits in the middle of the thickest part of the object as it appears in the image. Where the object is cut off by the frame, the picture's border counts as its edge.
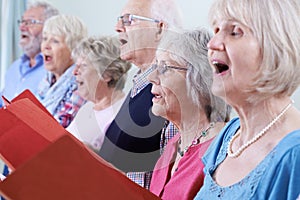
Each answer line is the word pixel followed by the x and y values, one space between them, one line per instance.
pixel 104 54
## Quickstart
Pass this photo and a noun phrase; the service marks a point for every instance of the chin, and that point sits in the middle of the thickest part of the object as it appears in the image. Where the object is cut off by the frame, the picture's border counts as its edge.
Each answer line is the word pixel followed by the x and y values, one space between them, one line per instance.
pixel 159 111
pixel 126 56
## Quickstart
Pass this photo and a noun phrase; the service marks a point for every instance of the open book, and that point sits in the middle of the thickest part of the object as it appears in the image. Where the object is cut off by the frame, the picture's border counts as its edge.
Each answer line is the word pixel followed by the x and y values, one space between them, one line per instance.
pixel 50 163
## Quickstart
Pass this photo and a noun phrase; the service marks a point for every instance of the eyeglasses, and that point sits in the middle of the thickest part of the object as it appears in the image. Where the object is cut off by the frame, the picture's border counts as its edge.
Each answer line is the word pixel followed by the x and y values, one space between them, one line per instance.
pixel 162 67
pixel 29 22
pixel 128 18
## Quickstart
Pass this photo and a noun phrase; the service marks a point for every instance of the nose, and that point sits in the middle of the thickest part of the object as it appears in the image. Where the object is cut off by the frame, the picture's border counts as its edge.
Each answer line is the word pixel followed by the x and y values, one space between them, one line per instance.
pixel 119 27
pixel 76 70
pixel 45 45
pixel 23 27
pixel 216 42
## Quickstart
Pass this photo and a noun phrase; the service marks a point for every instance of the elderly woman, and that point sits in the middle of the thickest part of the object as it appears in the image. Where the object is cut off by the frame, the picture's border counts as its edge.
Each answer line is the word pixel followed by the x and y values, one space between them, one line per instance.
pixel 61 34
pixel 101 75
pixel 256 64
pixel 181 86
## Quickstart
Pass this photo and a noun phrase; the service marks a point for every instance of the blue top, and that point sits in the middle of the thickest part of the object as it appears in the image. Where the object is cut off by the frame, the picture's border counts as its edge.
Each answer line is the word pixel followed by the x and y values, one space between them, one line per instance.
pixel 276 177
pixel 21 76
pixel 60 98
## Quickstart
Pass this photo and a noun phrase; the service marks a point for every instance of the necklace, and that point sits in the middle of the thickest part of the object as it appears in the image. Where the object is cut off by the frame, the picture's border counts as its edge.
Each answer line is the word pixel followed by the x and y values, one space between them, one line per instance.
pixel 195 141
pixel 256 137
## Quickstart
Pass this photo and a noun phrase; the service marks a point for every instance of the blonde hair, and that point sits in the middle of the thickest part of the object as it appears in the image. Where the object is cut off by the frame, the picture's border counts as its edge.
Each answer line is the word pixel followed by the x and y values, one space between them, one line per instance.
pixel 70 27
pixel 273 23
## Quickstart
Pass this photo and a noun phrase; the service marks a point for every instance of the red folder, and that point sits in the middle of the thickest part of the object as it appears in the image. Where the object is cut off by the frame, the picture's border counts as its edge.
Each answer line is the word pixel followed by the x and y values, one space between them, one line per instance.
pixel 26 94
pixel 26 128
pixel 50 163
pixel 68 170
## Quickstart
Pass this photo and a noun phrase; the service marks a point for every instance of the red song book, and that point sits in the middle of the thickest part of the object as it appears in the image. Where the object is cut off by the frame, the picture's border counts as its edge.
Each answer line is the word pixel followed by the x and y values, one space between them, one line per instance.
pixel 50 163
pixel 26 128
pixel 68 170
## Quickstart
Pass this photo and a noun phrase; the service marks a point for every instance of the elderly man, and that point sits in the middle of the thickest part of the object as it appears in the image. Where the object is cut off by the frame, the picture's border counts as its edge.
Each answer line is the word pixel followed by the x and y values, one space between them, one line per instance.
pixel 27 71
pixel 132 142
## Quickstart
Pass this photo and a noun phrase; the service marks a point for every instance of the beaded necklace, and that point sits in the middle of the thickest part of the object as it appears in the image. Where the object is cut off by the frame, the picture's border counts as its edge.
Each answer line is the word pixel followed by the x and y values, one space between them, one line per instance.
pixel 232 154
pixel 195 141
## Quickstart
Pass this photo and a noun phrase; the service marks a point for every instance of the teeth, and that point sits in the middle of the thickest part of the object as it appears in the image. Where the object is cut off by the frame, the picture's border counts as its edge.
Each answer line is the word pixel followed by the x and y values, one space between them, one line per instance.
pixel 214 62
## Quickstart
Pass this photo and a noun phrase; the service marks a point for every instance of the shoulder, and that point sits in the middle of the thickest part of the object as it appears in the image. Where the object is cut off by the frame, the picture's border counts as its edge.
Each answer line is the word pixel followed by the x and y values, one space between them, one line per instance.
pixel 289 148
pixel 218 147
pixel 14 66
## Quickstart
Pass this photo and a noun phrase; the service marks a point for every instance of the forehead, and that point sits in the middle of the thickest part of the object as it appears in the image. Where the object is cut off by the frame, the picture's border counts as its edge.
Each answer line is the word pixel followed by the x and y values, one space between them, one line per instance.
pixel 169 57
pixel 54 35
pixel 137 7
pixel 34 13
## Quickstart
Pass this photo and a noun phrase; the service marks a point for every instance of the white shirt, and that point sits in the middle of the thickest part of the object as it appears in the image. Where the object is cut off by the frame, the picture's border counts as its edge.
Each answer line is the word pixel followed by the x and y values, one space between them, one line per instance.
pixel 89 125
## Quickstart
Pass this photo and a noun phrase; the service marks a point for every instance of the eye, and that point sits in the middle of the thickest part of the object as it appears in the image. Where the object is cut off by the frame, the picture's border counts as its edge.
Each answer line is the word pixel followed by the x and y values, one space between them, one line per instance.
pixel 55 41
pixel 163 69
pixel 236 31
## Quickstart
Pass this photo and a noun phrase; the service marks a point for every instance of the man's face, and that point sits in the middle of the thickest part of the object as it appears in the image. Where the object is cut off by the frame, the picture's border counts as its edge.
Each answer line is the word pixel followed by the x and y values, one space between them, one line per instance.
pixel 31 34
pixel 138 38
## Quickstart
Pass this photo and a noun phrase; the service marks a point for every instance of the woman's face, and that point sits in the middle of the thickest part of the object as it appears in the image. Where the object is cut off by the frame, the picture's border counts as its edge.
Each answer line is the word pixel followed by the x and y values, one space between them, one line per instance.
pixel 88 79
pixel 169 88
pixel 234 54
pixel 57 55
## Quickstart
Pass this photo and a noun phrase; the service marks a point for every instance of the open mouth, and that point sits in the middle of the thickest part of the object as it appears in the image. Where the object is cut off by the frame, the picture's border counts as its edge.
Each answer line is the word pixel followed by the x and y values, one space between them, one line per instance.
pixel 123 41
pixel 156 95
pixel 47 58
pixel 24 36
pixel 79 83
pixel 220 67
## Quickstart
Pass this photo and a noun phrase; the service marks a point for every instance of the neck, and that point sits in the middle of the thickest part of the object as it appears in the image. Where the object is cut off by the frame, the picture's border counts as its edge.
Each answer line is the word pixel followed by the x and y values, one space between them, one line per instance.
pixel 32 61
pixel 111 96
pixel 191 126
pixel 254 117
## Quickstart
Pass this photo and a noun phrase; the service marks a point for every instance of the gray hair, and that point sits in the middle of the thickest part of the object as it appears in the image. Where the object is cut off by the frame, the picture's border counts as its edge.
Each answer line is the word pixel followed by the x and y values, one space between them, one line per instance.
pixel 49 10
pixel 167 11
pixel 104 54
pixel 70 27
pixel 273 23
pixel 189 49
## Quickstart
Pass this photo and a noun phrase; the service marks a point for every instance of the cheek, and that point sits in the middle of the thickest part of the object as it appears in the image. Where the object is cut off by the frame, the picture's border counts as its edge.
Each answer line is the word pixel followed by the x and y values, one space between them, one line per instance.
pixel 36 32
pixel 64 56
pixel 171 98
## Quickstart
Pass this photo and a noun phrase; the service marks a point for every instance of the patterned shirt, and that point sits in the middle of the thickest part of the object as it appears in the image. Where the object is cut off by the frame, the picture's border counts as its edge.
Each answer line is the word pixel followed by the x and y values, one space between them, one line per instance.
pixel 168 132
pixel 70 109
pixel 60 96
pixel 140 81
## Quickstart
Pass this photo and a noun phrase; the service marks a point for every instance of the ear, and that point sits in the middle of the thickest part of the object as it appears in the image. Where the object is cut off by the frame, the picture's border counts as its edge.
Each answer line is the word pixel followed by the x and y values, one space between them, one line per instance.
pixel 106 78
pixel 161 27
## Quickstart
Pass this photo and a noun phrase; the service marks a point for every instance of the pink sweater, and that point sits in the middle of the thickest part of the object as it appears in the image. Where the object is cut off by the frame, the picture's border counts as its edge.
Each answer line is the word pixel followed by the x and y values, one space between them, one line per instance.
pixel 187 180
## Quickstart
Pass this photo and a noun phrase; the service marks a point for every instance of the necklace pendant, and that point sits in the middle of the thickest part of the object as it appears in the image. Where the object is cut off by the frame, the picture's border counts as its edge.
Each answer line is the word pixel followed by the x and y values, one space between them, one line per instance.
pixel 181 153
pixel 203 133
